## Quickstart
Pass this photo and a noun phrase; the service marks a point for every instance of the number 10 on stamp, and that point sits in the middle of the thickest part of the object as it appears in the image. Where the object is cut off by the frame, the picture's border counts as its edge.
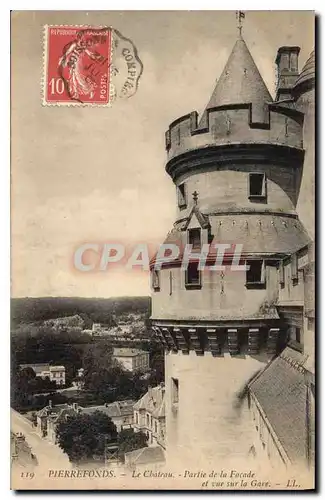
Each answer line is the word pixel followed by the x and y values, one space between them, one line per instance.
pixel 77 65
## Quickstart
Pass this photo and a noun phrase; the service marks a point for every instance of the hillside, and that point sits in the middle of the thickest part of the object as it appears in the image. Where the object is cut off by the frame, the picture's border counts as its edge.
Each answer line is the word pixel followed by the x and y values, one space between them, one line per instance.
pixel 30 309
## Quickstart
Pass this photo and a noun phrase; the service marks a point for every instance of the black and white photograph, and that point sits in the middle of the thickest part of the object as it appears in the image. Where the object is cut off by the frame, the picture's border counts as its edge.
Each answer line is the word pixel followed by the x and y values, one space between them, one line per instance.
pixel 163 250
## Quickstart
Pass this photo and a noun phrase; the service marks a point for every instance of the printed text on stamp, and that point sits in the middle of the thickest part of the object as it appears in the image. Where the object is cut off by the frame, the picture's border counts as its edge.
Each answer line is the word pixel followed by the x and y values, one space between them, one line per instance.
pixel 78 65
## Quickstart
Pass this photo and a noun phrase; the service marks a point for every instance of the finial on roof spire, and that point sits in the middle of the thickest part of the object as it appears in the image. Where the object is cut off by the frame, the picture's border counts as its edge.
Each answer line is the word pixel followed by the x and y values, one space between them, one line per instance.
pixel 239 16
pixel 195 197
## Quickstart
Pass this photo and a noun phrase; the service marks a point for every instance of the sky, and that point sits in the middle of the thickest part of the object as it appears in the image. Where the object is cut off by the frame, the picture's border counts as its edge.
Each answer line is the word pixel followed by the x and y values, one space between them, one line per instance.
pixel 83 174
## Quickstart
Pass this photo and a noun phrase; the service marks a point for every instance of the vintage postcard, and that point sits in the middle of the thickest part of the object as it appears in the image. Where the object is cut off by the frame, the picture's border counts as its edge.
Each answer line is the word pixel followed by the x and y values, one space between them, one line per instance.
pixel 163 225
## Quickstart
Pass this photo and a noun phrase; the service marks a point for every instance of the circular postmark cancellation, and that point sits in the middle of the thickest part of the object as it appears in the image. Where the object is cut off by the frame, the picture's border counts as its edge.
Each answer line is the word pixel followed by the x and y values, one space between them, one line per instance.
pixel 85 65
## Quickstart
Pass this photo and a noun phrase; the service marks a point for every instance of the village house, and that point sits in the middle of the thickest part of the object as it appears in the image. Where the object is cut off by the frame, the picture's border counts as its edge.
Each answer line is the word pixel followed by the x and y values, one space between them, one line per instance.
pixel 140 460
pixel 149 415
pixel 132 360
pixel 48 419
pixel 43 370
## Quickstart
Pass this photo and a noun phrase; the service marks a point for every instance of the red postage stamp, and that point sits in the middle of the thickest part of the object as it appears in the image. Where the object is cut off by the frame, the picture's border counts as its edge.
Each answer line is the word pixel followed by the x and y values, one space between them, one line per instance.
pixel 77 65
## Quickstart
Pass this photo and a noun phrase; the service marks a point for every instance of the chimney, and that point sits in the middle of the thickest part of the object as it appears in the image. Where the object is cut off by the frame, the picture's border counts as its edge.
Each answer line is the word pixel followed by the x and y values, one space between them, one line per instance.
pixel 287 71
pixel 149 391
pixel 75 406
pixel 162 386
pixel 50 403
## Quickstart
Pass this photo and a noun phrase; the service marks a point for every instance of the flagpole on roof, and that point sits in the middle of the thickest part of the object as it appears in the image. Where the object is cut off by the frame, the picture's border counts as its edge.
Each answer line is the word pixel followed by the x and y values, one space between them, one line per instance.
pixel 239 16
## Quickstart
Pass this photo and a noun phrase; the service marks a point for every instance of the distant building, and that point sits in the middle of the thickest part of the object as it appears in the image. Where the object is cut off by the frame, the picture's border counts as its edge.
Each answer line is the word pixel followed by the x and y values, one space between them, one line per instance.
pixel 49 417
pixel 121 413
pixel 21 452
pixel 132 359
pixel 53 372
pixel 140 459
pixel 149 415
pixel 99 330
pixel 57 373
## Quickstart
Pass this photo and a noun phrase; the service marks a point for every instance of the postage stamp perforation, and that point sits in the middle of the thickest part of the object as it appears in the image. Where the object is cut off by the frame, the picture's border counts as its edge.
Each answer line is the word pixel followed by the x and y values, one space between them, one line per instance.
pixel 83 67
pixel 44 78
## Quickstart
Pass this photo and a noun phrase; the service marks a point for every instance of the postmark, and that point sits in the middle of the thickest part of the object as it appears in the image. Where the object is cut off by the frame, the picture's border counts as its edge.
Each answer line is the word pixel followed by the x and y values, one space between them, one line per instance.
pixel 88 66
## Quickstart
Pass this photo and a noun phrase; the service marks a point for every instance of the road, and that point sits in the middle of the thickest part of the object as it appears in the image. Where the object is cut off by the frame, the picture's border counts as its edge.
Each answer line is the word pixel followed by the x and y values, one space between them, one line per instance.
pixel 48 455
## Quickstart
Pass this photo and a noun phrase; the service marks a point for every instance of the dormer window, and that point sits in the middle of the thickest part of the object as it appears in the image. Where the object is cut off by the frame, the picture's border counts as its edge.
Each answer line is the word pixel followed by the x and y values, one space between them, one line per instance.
pixel 181 196
pixel 257 186
pixel 194 238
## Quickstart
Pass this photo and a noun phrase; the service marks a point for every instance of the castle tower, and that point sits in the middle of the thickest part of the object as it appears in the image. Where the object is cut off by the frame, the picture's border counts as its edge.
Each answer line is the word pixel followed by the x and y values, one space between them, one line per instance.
pixel 304 95
pixel 237 173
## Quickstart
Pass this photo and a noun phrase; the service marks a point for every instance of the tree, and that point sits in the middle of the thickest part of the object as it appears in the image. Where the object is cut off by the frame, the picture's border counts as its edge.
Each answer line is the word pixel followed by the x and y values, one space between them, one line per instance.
pixel 28 373
pixel 83 436
pixel 128 440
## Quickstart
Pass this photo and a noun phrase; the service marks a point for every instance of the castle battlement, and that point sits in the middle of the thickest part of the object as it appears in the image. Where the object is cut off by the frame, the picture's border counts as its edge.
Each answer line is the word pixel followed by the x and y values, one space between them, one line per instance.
pixel 236 123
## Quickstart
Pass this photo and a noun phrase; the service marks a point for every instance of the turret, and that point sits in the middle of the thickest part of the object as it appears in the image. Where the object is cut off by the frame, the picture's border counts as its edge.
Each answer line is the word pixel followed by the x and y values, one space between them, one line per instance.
pixel 237 171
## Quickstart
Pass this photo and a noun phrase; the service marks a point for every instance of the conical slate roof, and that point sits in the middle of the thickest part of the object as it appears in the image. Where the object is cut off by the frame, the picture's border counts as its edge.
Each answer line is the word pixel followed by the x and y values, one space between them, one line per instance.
pixel 240 81
pixel 307 72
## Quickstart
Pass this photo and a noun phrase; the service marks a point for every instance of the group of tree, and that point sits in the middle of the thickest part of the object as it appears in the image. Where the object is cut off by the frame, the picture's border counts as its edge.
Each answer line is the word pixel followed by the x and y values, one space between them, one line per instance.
pixel 109 381
pixel 24 310
pixel 88 437
pixel 106 379
pixel 39 344
pixel 24 384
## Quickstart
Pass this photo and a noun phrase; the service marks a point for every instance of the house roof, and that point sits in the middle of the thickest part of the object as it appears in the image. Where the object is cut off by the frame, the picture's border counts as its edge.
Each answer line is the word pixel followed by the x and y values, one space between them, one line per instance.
pixel 57 417
pixel 202 219
pixel 57 368
pixel 153 401
pixel 307 73
pixel 152 454
pixel 113 410
pixel 281 392
pixel 126 352
pixel 240 82
pixel 259 234
pixel 47 410
pixel 37 367
pixel 116 409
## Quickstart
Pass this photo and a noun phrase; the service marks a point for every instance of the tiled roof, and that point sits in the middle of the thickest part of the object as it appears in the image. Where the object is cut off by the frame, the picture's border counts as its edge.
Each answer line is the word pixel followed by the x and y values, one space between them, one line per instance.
pixel 240 81
pixel 47 410
pixel 153 401
pixel 127 352
pixel 57 417
pixel 307 72
pixel 43 367
pixel 202 219
pixel 259 234
pixel 281 392
pixel 152 454
pixel 116 409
